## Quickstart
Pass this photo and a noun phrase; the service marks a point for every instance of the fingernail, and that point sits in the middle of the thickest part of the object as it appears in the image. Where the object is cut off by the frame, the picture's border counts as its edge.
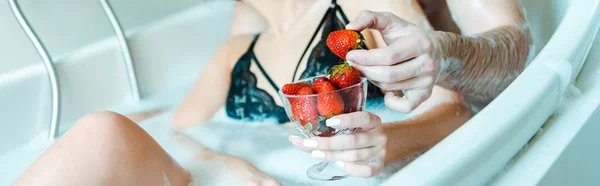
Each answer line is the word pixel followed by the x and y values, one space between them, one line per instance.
pixel 309 143
pixel 352 24
pixel 295 139
pixel 332 122
pixel 350 57
pixel 340 163
pixel 318 154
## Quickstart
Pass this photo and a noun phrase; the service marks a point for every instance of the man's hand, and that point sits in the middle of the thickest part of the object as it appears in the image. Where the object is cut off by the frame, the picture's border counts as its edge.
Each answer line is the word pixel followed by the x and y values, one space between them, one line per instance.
pixel 409 63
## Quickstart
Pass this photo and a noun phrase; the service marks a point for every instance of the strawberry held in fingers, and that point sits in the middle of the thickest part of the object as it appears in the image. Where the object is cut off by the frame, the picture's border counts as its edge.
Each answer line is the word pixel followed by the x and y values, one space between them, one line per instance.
pixel 342 41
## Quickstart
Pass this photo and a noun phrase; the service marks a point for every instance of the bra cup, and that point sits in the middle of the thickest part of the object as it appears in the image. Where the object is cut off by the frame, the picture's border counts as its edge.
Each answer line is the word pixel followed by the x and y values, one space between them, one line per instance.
pixel 245 101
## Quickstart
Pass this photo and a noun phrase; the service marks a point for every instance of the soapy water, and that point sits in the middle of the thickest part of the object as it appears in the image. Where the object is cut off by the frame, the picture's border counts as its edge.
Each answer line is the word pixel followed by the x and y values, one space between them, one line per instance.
pixel 571 94
pixel 210 172
pixel 267 148
pixel 263 144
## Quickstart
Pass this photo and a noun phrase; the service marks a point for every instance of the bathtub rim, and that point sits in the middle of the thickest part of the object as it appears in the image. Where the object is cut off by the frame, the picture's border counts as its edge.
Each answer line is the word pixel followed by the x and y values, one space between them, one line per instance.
pixel 575 34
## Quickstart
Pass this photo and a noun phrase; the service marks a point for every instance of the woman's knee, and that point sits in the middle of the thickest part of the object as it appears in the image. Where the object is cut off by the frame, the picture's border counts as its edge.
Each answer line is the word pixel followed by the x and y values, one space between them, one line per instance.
pixel 104 121
pixel 118 142
pixel 110 135
pixel 104 125
pixel 109 148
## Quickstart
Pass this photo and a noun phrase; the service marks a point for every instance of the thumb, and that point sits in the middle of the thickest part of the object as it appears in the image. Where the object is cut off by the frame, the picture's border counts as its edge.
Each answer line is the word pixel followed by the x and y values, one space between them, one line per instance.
pixel 389 25
pixel 382 21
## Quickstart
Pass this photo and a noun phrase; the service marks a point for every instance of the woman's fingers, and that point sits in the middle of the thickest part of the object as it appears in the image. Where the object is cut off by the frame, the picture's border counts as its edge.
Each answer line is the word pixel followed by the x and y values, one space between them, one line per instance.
pixel 361 170
pixel 349 155
pixel 367 144
pixel 298 142
pixel 347 141
pixel 363 120
pixel 368 169
pixel 370 134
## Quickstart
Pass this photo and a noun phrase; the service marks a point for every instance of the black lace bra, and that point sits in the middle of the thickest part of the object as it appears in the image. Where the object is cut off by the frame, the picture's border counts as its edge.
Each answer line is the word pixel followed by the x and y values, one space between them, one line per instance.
pixel 245 101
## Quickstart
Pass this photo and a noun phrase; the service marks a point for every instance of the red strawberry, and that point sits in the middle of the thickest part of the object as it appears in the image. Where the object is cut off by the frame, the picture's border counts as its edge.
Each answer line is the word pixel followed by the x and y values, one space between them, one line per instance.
pixel 292 88
pixel 344 75
pixel 323 85
pixel 342 41
pixel 304 108
pixel 329 102
pixel 320 80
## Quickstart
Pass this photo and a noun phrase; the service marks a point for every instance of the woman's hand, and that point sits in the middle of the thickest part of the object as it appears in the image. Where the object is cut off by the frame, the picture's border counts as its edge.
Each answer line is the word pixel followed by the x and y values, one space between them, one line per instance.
pixel 367 143
pixel 248 172
pixel 243 170
pixel 408 63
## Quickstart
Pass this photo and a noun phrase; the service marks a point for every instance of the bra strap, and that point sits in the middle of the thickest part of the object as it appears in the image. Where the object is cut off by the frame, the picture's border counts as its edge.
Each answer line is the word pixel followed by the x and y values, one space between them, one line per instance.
pixel 339 8
pixel 251 48
pixel 260 67
pixel 330 10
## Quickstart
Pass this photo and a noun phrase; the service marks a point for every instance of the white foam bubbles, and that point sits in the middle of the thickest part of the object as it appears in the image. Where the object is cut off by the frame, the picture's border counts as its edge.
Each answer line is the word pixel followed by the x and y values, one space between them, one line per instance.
pixel 210 172
pixel 571 94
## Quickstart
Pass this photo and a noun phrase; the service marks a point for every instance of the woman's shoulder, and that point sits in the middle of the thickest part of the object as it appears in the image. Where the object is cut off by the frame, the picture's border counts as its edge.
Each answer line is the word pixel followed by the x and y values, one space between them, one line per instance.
pixel 247 20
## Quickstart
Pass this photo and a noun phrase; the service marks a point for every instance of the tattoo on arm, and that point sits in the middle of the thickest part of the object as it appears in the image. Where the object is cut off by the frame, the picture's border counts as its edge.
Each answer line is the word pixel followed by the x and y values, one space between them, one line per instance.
pixel 482 66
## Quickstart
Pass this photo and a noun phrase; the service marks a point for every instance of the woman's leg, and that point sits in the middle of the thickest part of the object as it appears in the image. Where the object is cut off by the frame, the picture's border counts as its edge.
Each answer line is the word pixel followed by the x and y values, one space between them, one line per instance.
pixel 104 148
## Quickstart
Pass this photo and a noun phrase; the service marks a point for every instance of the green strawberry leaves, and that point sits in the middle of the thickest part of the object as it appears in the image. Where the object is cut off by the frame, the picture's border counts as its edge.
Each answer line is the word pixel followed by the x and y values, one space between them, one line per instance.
pixel 321 118
pixel 338 70
pixel 308 126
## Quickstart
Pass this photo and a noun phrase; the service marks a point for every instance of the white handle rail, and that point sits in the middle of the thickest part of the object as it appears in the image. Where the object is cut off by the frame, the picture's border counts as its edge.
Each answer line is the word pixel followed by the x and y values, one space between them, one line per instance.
pixel 50 68
pixel 47 60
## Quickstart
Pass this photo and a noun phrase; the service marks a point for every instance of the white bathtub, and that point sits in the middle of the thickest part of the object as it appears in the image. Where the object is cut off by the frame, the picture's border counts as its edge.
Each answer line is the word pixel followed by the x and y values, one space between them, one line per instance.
pixel 161 36
pixel 564 151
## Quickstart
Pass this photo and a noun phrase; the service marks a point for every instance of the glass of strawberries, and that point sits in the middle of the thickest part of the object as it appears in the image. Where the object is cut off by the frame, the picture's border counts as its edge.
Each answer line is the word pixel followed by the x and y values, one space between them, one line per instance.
pixel 309 102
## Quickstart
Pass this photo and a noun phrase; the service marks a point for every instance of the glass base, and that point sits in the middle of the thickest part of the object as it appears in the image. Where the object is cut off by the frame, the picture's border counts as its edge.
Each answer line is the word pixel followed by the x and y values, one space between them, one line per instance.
pixel 323 172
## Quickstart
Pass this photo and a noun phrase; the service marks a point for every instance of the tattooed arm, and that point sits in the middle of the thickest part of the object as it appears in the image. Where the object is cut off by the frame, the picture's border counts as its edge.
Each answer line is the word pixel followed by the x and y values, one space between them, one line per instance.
pixel 480 63
pixel 489 55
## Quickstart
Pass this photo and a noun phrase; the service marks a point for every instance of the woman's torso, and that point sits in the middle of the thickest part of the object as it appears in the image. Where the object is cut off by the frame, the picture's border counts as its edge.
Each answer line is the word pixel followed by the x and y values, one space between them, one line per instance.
pixel 291 23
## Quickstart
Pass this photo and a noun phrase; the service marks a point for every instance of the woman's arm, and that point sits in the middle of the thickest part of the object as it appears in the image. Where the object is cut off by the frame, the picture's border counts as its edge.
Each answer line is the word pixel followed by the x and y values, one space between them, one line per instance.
pixel 209 93
pixel 490 54
pixel 429 127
